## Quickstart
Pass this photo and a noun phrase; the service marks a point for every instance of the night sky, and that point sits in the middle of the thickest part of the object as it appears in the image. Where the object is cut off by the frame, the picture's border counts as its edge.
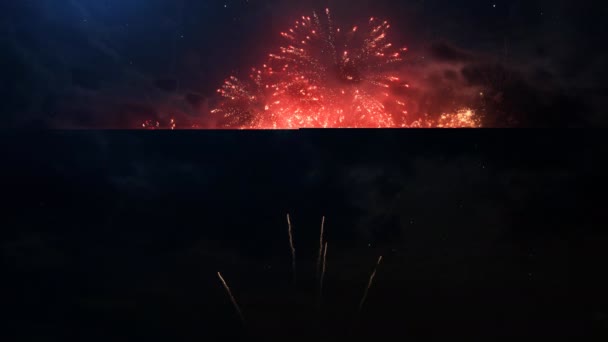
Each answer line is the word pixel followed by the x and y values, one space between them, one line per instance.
pixel 114 64
pixel 118 235
pixel 495 235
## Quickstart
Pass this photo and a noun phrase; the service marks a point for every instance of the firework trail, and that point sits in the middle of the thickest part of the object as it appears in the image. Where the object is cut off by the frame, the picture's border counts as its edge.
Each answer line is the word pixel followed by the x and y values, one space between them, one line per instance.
pixel 323 268
pixel 293 249
pixel 320 247
pixel 326 77
pixel 232 299
pixel 369 284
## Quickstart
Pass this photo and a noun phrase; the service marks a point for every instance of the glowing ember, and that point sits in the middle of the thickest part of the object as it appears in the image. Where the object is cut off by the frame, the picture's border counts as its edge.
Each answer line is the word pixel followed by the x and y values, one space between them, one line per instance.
pixel 463 118
pixel 156 125
pixel 326 77
pixel 151 124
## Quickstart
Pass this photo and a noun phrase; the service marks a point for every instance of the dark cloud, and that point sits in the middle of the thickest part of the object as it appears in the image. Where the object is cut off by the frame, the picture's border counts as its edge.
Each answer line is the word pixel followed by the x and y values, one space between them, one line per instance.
pixel 513 97
pixel 195 100
pixel 167 85
pixel 444 52
pixel 422 196
pixel 33 252
pixel 507 93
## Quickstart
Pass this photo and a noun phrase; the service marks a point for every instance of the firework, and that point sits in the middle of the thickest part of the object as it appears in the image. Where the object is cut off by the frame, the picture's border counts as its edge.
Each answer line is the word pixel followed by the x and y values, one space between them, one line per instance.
pixel 168 125
pixel 325 77
pixel 320 246
pixel 463 118
pixel 293 249
pixel 323 269
pixel 232 299
pixel 151 125
pixel 369 284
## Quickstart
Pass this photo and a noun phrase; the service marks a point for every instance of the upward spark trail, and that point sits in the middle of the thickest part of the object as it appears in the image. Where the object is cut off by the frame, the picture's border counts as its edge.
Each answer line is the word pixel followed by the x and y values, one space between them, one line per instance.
pixel 232 299
pixel 323 269
pixel 293 249
pixel 320 246
pixel 369 285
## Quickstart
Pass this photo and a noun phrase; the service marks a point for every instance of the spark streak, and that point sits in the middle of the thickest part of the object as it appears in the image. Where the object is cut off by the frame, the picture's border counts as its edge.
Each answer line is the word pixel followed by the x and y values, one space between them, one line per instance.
pixel 293 249
pixel 232 299
pixel 369 284
pixel 320 246
pixel 323 269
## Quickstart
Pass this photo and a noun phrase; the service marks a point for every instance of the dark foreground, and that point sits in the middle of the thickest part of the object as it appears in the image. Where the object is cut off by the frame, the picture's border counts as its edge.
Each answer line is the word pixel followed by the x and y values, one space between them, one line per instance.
pixel 489 234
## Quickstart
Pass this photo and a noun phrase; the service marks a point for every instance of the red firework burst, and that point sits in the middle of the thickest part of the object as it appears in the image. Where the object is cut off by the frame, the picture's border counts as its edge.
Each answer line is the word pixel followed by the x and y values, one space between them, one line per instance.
pixel 327 77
